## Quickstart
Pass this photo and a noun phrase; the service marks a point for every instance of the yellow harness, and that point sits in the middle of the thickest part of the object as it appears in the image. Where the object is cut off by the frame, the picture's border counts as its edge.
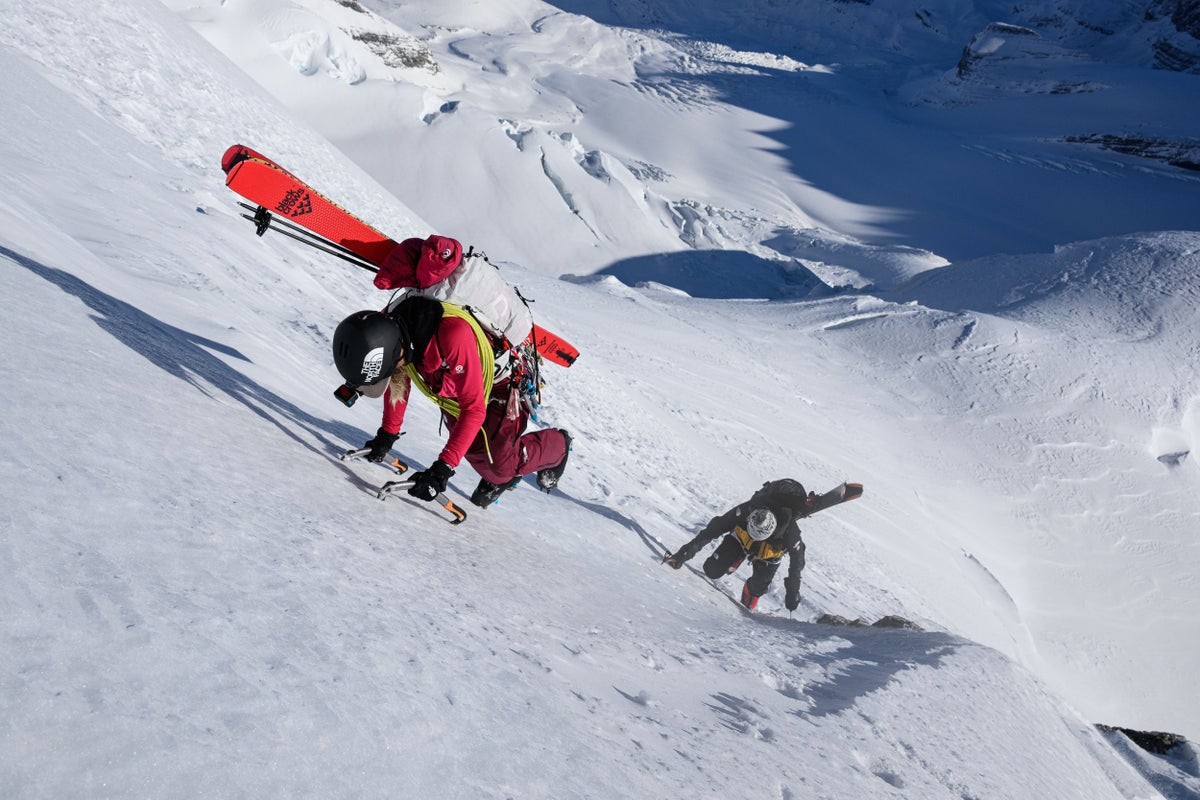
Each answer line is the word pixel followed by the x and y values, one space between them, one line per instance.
pixel 763 551
pixel 487 361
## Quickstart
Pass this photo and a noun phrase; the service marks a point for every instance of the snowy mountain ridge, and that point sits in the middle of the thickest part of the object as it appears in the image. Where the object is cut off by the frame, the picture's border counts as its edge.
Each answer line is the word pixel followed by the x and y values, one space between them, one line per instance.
pixel 204 601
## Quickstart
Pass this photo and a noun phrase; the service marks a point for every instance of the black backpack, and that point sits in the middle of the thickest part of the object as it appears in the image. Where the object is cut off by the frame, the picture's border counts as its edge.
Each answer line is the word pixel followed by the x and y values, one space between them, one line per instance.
pixel 786 492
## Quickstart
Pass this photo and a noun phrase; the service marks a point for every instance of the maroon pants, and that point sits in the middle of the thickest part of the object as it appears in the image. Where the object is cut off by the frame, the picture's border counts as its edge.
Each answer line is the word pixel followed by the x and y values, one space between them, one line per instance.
pixel 509 451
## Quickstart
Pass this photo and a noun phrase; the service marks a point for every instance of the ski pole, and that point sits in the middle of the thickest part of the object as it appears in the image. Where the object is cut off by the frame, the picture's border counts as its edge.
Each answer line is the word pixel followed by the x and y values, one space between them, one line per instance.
pixel 317 245
pixel 264 221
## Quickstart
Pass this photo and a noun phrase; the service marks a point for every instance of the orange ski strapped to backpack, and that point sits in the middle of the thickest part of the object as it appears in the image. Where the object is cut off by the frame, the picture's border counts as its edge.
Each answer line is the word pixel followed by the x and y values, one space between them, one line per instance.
pixel 260 180
pixel 437 265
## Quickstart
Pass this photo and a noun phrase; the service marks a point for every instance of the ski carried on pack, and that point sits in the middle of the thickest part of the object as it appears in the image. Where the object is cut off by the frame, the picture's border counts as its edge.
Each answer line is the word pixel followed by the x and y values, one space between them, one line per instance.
pixel 842 493
pixel 285 204
pixel 391 487
pixel 835 496
pixel 279 192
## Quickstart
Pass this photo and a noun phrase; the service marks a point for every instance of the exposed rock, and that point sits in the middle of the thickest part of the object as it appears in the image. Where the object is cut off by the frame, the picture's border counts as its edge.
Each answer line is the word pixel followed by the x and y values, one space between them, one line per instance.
pixel 1169 55
pixel 1155 742
pixel 895 621
pixel 396 51
pixel 1185 155
pixel 1006 60
pixel 1184 14
pixel 891 621
pixel 1187 17
pixel 1177 50
pixel 987 42
pixel 834 619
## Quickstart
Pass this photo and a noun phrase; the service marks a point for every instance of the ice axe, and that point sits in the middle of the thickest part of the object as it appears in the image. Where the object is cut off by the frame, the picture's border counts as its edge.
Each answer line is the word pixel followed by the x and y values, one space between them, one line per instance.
pixel 391 487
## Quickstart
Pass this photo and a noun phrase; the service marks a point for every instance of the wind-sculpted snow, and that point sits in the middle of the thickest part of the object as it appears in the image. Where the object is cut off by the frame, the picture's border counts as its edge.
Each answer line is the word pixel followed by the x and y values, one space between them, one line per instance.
pixel 1131 288
pixel 777 113
pixel 308 642
pixel 201 599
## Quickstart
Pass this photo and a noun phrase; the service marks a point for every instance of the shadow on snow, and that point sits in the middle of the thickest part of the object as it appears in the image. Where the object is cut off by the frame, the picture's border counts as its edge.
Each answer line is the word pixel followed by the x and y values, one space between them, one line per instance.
pixel 873 658
pixel 714 274
pixel 186 356
pixel 920 175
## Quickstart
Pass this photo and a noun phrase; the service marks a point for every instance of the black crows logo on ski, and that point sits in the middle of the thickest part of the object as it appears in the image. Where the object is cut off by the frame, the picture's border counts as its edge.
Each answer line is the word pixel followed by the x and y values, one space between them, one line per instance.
pixel 296 203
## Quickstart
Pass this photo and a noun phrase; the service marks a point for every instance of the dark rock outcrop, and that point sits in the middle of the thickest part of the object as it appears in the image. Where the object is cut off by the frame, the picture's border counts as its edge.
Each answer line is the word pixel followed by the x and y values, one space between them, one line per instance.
pixel 974 52
pixel 891 621
pixel 1156 742
pixel 894 621
pixel 1179 52
pixel 1185 155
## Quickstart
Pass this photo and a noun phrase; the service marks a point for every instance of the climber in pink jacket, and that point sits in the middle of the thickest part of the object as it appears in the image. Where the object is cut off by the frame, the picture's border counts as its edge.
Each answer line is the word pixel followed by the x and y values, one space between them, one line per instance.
pixel 440 349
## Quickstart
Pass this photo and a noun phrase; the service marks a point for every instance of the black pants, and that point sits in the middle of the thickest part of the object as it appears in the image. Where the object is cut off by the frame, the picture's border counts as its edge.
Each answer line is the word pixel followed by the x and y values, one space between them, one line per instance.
pixel 726 558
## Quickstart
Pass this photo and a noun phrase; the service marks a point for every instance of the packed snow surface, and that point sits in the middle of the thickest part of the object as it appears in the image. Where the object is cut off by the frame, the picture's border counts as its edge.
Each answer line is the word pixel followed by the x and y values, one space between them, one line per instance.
pixel 781 252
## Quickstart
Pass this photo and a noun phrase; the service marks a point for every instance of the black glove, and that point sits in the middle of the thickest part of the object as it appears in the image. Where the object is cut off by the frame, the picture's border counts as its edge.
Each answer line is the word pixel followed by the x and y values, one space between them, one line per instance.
pixel 791 595
pixel 427 484
pixel 680 556
pixel 380 445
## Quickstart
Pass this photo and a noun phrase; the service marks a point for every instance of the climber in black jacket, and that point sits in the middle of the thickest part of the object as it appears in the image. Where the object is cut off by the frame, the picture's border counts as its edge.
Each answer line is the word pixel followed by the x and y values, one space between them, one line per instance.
pixel 762 529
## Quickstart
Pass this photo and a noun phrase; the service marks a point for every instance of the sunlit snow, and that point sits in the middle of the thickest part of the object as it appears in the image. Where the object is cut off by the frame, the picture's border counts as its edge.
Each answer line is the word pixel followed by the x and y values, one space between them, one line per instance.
pixel 808 239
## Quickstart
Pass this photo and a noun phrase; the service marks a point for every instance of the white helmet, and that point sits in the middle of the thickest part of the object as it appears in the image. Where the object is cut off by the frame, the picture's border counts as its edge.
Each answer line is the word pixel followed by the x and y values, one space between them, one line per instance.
pixel 760 524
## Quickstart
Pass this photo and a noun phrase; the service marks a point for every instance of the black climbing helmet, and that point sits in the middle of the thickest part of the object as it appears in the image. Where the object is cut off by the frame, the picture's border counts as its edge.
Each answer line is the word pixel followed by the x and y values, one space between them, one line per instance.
pixel 367 345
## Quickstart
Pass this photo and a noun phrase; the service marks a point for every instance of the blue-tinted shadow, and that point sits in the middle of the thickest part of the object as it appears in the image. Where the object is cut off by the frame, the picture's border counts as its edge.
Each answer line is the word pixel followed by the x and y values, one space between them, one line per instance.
pixel 716 274
pixel 186 356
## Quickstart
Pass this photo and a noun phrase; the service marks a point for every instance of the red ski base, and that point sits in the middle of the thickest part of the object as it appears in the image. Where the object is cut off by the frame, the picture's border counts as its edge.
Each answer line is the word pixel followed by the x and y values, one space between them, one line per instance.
pixel 263 182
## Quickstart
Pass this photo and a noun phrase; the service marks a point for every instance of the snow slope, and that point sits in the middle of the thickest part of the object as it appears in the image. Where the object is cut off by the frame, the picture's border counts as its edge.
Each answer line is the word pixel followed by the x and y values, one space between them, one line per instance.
pixel 202 600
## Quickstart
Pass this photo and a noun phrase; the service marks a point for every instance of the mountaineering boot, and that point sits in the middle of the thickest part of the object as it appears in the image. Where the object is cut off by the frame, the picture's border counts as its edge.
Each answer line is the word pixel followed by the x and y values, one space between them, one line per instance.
pixel 547 479
pixel 487 493
pixel 748 600
pixel 733 567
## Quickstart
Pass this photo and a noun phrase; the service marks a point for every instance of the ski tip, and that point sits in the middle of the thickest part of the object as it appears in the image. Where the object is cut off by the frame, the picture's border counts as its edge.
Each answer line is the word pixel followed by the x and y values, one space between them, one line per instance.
pixel 234 156
pixel 853 491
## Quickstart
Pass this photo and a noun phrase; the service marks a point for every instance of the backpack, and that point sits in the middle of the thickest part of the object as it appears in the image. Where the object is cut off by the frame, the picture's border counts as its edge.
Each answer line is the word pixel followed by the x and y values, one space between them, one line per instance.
pixel 786 492
pixel 467 283
pixel 438 268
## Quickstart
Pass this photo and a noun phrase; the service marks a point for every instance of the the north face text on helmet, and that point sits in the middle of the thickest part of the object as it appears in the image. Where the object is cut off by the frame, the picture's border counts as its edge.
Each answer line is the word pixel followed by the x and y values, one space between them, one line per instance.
pixel 367 345
pixel 760 524
pixel 373 365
